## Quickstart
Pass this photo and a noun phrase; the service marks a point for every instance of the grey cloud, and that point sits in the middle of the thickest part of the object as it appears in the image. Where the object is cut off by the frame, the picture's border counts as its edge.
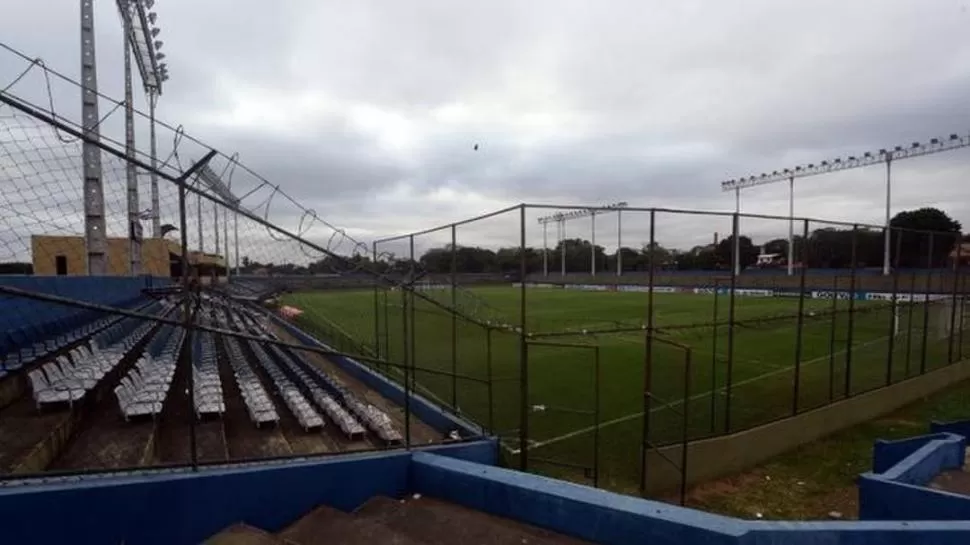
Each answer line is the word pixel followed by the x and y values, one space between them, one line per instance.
pixel 577 102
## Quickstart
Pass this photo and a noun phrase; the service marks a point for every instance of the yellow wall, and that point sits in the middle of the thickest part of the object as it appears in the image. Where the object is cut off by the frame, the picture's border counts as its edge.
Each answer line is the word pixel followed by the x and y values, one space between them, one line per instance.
pixel 45 249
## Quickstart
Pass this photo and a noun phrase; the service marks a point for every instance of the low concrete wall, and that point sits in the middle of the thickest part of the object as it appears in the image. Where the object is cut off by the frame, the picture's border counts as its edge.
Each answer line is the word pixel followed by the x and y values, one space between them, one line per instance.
pixel 720 456
pixel 939 281
pixel 608 518
pixel 900 493
pixel 886 454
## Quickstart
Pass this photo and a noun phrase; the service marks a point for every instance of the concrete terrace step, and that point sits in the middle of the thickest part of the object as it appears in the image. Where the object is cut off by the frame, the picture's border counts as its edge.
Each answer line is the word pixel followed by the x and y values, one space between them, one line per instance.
pixel 328 526
pixel 243 534
pixel 440 523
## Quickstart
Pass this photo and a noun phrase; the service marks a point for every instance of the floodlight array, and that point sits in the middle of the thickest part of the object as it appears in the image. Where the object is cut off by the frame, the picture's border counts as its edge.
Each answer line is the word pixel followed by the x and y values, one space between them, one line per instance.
pixel 582 213
pixel 916 149
pixel 144 42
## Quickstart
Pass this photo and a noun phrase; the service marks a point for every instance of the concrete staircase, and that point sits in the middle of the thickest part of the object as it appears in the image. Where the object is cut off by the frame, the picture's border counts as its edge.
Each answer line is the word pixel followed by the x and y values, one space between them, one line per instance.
pixel 421 521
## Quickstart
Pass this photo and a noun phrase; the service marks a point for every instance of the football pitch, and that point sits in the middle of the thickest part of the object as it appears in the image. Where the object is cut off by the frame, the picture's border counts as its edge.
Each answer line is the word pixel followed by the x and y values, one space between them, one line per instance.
pixel 586 385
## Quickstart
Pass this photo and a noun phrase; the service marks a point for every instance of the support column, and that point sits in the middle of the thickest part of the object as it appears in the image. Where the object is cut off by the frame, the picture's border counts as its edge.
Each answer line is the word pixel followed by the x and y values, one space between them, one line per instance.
pixel 156 213
pixel 94 224
pixel 131 171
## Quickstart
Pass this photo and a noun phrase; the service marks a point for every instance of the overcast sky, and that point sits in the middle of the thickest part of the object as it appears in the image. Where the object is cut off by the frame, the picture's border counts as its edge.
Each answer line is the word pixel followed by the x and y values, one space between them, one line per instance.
pixel 368 111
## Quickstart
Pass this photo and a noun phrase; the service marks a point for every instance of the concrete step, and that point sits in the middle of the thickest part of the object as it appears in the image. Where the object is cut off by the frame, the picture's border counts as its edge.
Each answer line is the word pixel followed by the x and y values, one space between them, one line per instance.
pixel 328 526
pixel 440 523
pixel 243 534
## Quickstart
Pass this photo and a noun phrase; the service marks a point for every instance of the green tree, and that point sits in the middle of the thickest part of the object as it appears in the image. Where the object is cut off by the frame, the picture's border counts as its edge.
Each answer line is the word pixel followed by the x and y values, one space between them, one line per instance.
pixel 923 237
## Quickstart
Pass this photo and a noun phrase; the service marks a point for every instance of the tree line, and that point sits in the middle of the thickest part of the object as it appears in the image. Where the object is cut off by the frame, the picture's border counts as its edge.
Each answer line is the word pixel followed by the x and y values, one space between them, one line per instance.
pixel 920 238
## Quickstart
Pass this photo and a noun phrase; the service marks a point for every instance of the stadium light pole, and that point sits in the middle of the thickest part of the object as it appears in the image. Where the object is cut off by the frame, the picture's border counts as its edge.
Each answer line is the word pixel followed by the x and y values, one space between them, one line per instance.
pixel 791 225
pixel 737 237
pixel 562 217
pixel 94 224
pixel 140 37
pixel 619 242
pixel 208 178
pixel 887 156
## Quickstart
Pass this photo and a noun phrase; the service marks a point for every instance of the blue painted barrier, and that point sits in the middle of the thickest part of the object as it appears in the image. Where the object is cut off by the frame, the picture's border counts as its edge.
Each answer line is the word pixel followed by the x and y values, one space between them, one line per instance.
pixel 604 517
pixel 899 492
pixel 958 427
pixel 887 453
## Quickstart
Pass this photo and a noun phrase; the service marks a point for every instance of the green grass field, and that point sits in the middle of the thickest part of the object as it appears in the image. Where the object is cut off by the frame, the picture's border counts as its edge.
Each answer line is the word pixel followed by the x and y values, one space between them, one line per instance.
pixel 562 361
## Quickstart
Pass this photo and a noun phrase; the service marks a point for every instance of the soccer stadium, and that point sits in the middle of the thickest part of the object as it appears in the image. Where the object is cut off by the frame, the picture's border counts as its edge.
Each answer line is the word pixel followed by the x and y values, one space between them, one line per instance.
pixel 192 354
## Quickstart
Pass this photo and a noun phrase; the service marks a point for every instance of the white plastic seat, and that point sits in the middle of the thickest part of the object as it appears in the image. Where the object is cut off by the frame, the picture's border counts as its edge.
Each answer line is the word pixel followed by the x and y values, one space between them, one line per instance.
pixel 44 392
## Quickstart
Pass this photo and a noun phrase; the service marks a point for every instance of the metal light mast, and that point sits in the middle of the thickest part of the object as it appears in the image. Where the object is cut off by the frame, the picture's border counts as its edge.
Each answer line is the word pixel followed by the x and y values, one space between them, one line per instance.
pixel 560 218
pixel 140 36
pixel 887 156
pixel 94 224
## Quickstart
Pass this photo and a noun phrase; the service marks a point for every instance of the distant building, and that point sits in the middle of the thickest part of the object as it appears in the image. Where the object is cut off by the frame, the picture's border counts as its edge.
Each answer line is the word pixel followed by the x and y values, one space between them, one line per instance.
pixel 960 254
pixel 66 256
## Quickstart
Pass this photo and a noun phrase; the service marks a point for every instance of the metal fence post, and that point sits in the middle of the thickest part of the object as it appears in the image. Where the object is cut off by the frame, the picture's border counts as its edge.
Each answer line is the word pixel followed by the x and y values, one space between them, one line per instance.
pixel 852 283
pixel 832 329
pixel 909 320
pixel 954 275
pixel 648 359
pixel 801 318
pixel 926 304
pixel 713 415
pixel 685 432
pixel 596 416
pixel 377 304
pixel 735 271
pixel 454 317
pixel 407 368
pixel 488 372
pixel 523 352
pixel 893 313
pixel 411 316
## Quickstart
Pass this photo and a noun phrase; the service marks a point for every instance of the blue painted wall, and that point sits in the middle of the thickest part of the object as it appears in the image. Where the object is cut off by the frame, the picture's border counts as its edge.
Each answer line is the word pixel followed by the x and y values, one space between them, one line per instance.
pixel 886 454
pixel 182 507
pixel 958 427
pixel 185 508
pixel 608 518
pixel 899 492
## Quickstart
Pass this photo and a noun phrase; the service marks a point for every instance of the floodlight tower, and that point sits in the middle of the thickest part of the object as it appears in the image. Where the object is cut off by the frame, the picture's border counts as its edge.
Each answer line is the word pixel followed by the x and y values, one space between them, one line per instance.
pixel 208 178
pixel 561 218
pixel 140 37
pixel 887 156
pixel 95 238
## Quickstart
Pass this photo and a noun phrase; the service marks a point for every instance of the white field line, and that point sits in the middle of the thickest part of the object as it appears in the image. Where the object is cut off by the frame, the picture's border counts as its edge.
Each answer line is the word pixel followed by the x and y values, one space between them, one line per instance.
pixel 633 416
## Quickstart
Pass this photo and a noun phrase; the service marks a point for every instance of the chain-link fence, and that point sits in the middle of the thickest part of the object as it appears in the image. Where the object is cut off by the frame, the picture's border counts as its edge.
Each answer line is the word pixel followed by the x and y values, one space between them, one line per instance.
pixel 593 342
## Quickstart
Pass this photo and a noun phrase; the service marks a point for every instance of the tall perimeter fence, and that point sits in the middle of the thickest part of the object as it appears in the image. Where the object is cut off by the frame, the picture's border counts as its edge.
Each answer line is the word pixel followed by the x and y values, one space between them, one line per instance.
pixel 587 353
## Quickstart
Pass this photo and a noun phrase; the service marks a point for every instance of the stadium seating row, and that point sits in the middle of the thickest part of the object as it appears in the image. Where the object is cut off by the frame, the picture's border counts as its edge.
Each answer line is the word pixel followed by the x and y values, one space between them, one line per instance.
pixel 351 427
pixel 69 377
pixel 372 417
pixel 258 404
pixel 143 389
pixel 305 414
pixel 34 328
pixel 206 384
